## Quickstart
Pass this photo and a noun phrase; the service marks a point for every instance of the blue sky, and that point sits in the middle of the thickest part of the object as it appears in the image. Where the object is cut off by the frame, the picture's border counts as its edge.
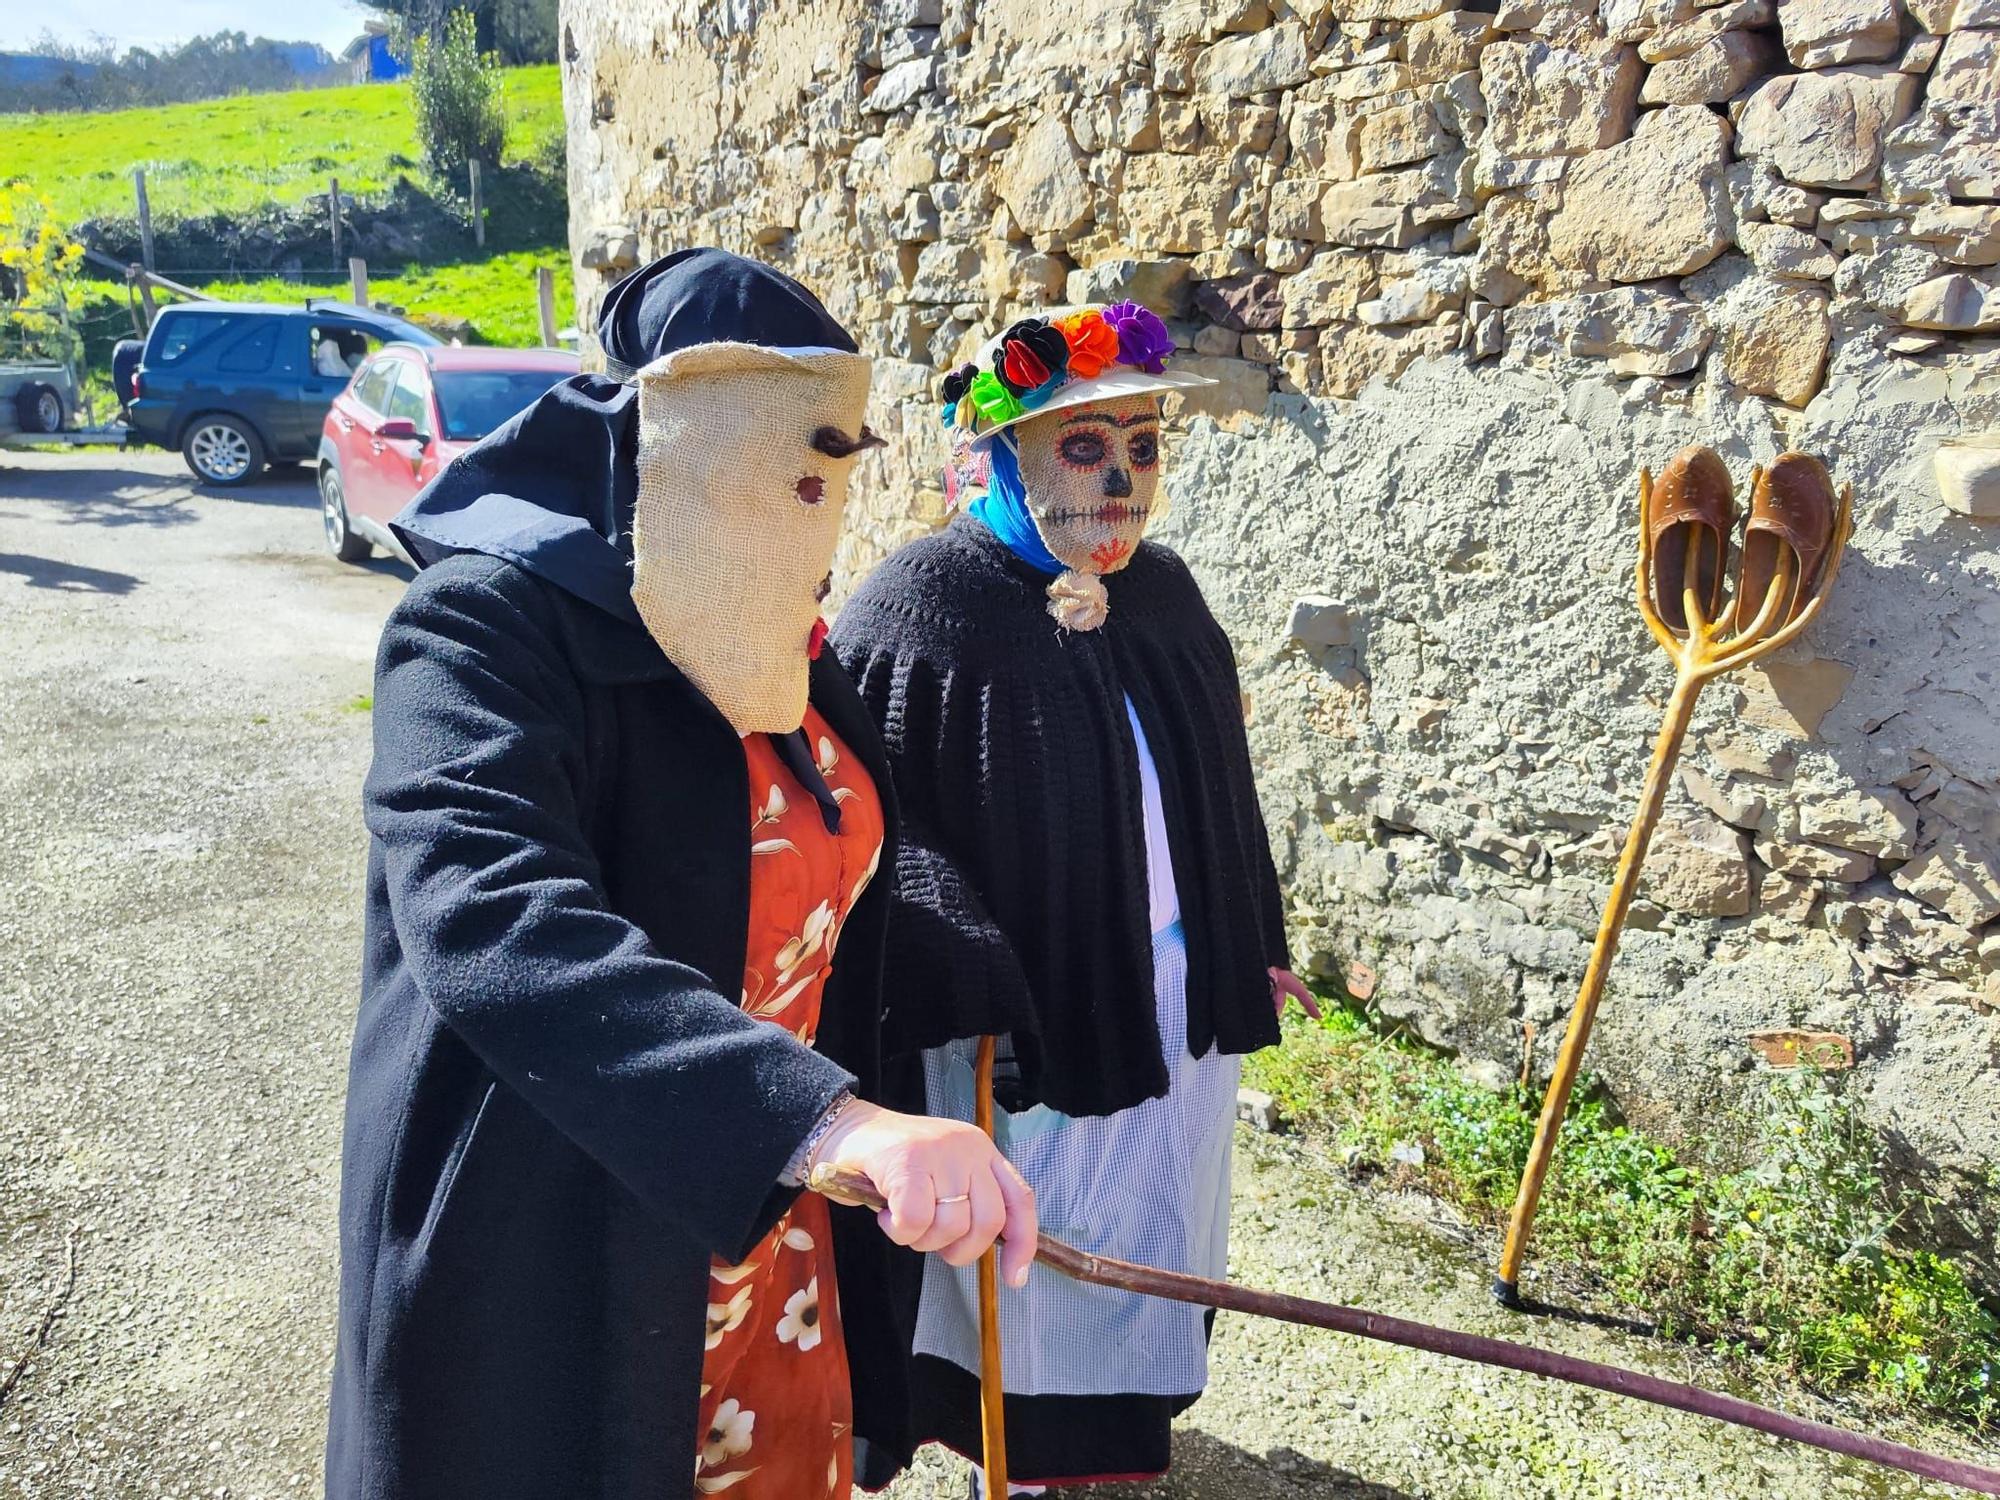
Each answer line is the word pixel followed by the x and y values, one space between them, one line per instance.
pixel 151 23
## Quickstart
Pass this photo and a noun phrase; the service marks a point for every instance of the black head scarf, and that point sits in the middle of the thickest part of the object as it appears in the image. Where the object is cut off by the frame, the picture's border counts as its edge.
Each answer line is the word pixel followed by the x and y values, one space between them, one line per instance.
pixel 552 490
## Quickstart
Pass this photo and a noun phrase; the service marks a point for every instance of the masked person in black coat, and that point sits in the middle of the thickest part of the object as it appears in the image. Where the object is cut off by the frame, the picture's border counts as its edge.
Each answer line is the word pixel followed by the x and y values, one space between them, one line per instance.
pixel 620 816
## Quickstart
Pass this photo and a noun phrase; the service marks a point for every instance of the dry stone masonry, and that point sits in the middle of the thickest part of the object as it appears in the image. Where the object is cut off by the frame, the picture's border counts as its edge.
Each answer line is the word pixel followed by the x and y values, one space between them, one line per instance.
pixel 1460 270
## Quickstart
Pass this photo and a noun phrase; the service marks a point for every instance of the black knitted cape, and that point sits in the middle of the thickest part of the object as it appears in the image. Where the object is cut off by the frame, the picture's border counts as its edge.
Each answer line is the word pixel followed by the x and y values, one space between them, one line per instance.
pixel 1021 874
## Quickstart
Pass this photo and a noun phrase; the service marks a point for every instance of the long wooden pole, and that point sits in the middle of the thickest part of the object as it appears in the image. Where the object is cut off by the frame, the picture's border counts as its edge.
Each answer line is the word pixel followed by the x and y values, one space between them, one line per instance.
pixel 333 208
pixel 992 1393
pixel 1569 1061
pixel 145 218
pixel 847 1186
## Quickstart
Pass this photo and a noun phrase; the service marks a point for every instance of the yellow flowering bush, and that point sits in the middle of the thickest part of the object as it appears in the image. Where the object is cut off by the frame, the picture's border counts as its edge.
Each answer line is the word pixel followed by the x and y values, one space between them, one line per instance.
pixel 37 263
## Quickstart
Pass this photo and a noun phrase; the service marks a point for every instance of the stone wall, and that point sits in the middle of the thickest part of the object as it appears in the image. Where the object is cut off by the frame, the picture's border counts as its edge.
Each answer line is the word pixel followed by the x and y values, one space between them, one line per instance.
pixel 1460 271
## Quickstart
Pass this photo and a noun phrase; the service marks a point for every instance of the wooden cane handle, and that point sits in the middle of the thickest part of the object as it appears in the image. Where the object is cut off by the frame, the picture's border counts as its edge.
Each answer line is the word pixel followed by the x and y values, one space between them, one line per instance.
pixel 848 1185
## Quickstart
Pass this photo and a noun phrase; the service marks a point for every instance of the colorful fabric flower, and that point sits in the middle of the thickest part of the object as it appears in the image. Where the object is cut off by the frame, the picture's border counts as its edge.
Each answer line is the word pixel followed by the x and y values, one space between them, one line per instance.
pixel 1093 344
pixel 993 400
pixel 1143 340
pixel 956 386
pixel 1032 354
pixel 958 382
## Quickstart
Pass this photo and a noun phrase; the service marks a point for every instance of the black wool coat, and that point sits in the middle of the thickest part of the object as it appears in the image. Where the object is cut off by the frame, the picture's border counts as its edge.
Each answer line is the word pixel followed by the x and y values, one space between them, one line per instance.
pixel 557 1111
pixel 1021 902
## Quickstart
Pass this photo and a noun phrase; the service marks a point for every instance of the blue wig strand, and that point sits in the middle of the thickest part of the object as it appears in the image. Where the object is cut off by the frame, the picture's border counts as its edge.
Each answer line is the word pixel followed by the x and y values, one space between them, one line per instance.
pixel 1004 506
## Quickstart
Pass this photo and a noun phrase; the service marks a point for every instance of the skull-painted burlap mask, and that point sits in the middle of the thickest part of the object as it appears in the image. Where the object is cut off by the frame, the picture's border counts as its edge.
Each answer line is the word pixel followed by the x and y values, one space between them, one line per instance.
pixel 1090 478
pixel 1092 474
pixel 744 456
pixel 1067 408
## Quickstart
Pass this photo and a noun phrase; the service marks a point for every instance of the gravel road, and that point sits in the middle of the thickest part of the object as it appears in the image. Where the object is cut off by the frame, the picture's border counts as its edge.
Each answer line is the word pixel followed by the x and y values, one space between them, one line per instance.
pixel 183 716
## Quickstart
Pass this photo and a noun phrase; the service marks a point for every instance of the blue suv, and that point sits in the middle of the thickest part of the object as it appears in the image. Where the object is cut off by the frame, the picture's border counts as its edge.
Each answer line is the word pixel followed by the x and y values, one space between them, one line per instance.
pixel 238 385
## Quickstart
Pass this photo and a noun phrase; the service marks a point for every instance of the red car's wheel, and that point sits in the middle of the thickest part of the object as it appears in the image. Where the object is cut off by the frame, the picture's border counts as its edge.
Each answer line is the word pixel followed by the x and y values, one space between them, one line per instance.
pixel 340 538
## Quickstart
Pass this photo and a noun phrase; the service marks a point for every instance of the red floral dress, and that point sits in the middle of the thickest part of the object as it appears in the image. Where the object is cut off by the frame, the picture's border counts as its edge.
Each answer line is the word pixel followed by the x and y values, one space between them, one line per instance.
pixel 776 1410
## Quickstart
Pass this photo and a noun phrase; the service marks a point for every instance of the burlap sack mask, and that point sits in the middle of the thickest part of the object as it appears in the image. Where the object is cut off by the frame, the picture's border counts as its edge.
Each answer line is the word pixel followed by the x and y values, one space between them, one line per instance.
pixel 744 456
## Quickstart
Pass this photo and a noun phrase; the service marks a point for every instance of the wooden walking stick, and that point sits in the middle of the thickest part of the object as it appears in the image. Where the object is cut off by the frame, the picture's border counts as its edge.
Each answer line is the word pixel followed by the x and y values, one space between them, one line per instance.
pixel 1791 552
pixel 992 1394
pixel 847 1185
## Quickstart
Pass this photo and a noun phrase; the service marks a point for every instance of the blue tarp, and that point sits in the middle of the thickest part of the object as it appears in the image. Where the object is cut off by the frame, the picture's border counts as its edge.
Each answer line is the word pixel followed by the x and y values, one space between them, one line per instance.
pixel 383 65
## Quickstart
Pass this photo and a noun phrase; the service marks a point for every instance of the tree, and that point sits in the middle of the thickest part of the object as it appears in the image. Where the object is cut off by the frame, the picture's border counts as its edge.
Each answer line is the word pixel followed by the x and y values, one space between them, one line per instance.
pixel 518 31
pixel 456 91
pixel 37 264
pixel 58 75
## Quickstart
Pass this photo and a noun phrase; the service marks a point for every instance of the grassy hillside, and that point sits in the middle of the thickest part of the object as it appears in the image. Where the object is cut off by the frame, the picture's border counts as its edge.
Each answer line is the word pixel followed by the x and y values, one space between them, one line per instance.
pixel 231 155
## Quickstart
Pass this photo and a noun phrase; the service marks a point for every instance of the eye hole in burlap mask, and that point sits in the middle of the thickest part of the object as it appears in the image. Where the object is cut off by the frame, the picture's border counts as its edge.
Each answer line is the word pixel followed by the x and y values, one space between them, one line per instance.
pixel 1092 476
pixel 744 459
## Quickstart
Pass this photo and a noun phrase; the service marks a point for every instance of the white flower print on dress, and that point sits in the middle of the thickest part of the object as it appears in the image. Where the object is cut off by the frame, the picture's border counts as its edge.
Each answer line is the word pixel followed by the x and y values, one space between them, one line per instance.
pixel 819 921
pixel 775 806
pixel 724 1318
pixel 729 1433
pixel 801 1320
pixel 795 974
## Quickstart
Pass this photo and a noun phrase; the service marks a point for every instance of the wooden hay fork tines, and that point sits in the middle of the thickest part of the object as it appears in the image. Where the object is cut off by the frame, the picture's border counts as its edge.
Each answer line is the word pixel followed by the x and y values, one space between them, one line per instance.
pixel 1791 552
pixel 848 1186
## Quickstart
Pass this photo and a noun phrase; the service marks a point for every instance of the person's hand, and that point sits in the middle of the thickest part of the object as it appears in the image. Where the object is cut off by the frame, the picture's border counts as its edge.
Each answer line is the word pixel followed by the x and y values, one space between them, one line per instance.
pixel 949 1189
pixel 1285 985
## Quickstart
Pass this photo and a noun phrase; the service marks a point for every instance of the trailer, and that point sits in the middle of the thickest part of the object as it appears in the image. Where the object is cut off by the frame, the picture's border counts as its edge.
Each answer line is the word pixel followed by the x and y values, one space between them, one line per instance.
pixel 39 401
pixel 41 379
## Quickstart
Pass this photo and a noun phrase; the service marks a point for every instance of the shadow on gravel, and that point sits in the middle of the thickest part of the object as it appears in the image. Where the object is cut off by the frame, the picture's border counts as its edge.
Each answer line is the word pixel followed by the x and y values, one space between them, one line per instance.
pixel 109 495
pixel 1206 1468
pixel 388 567
pixel 1530 1309
pixel 68 578
pixel 282 484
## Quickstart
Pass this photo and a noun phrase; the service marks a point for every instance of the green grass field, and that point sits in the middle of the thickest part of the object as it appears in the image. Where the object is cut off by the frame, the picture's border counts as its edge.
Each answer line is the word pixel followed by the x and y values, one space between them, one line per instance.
pixel 234 155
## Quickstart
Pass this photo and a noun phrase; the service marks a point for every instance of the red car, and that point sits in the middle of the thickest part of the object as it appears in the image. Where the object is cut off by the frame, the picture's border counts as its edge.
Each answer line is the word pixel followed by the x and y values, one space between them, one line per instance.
pixel 409 411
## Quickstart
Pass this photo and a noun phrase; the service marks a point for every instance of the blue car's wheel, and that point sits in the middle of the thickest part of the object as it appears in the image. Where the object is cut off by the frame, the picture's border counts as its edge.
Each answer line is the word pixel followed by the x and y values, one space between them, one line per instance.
pixel 222 450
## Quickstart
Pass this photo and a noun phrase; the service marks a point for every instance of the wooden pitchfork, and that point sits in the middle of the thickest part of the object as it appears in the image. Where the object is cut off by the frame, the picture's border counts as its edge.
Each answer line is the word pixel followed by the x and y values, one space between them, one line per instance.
pixel 1791 551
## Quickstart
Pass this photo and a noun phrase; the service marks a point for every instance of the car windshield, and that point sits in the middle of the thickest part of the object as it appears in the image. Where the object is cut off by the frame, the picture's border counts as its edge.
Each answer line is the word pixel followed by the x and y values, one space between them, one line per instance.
pixel 471 403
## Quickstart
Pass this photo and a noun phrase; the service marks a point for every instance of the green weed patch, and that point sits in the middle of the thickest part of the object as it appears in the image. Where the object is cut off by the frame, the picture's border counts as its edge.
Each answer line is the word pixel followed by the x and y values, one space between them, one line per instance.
pixel 1794 1258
